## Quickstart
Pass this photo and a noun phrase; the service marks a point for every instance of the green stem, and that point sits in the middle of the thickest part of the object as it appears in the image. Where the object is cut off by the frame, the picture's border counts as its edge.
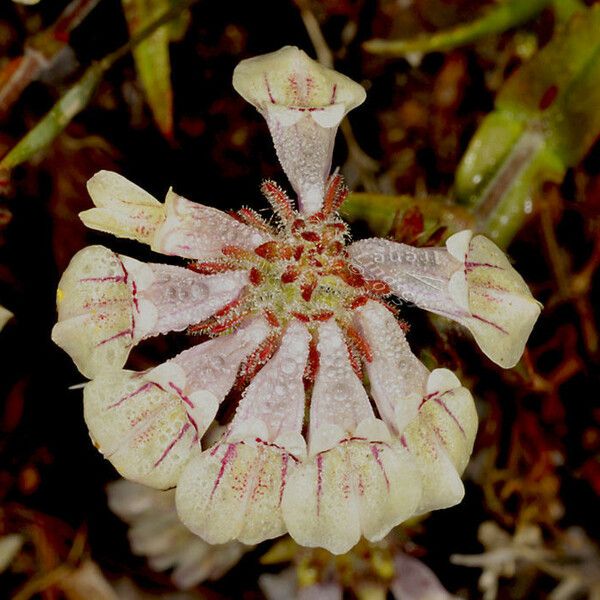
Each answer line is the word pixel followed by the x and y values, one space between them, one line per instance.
pixel 507 15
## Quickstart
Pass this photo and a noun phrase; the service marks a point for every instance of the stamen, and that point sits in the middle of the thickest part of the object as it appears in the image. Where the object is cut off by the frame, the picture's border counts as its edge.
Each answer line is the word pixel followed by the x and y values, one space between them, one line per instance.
pixel 359 342
pixel 278 199
pixel 209 268
pixel 290 274
pixel 252 218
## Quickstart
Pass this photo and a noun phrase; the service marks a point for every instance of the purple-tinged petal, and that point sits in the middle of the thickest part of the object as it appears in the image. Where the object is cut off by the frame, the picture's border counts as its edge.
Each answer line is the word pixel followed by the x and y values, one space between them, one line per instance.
pixel 107 303
pixel 212 367
pixel 304 150
pixel 182 297
pixel 397 377
pixel 470 281
pixel 192 230
pixel 419 276
pixel 276 395
pixel 416 581
pixel 339 401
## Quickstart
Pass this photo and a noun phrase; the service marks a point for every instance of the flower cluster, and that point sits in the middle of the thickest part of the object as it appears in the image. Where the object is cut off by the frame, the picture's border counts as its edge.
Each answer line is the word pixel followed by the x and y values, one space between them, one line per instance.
pixel 296 319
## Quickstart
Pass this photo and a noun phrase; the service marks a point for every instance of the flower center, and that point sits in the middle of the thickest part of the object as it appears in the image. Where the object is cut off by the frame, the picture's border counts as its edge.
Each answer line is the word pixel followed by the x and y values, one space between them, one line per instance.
pixel 302 272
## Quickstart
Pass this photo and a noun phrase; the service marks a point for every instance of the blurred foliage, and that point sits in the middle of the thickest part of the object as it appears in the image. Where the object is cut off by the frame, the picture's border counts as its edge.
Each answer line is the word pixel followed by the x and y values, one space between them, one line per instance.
pixel 510 13
pixel 492 124
pixel 546 120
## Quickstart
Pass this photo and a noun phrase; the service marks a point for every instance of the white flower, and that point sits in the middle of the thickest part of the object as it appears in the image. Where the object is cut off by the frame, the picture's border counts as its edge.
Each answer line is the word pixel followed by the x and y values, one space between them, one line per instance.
pixel 296 321
pixel 157 533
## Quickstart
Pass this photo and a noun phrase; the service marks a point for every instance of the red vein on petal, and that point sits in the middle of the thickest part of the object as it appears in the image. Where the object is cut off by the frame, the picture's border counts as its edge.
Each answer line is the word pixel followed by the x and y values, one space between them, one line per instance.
pixel 450 414
pixel 141 389
pixel 116 336
pixel 172 444
pixel 319 482
pixel 229 455
pixel 494 325
pixel 375 453
pixel 284 468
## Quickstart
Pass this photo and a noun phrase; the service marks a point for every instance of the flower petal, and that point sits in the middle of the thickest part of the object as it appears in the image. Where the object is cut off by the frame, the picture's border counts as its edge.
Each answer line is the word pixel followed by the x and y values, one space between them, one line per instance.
pixel 276 394
pixel 304 150
pixel 246 474
pixel 192 230
pixel 233 491
pixel 130 415
pixel 339 401
pixel 397 377
pixel 417 275
pixel 140 425
pixel 471 282
pixel 358 487
pixel 441 439
pixel 178 227
pixel 289 77
pixel 107 303
pixel 303 104
pixel 123 208
pixel 157 533
pixel 502 307
pixel 414 580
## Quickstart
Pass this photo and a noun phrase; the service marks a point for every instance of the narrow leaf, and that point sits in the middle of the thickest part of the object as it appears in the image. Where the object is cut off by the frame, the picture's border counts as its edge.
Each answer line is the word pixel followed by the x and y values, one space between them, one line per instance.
pixel 60 115
pixel 504 16
pixel 152 60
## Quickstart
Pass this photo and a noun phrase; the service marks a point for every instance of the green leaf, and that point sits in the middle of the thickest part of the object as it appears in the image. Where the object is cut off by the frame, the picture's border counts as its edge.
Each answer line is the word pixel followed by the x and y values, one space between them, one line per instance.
pixel 152 59
pixel 506 15
pixel 60 115
pixel 546 119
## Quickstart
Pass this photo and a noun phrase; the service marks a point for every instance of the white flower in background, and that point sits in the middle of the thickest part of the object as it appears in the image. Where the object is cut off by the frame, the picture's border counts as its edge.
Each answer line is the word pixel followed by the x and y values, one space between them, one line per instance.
pixel 409 579
pixel 157 533
pixel 296 322
pixel 5 317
